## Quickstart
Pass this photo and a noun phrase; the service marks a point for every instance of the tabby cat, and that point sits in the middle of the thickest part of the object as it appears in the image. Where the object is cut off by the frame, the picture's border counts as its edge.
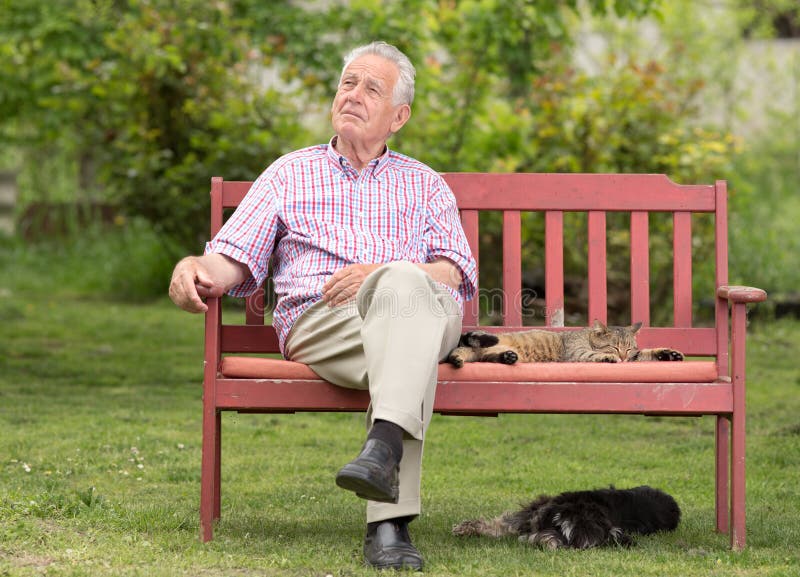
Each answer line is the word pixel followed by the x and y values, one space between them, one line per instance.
pixel 595 344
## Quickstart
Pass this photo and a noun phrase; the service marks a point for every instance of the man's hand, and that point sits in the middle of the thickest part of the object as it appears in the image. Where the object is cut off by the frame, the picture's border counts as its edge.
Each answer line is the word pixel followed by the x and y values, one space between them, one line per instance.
pixel 196 278
pixel 344 283
pixel 443 271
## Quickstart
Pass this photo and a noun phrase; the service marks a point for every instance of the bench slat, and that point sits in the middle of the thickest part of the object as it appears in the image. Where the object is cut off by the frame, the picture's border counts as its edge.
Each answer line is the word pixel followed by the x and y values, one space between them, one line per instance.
pixel 554 268
pixel 696 341
pixel 631 398
pixel 477 397
pixel 233 191
pixel 254 311
pixel 540 192
pixel 578 192
pixel 721 248
pixel 470 223
pixel 597 265
pixel 512 268
pixel 249 339
pixel 218 187
pixel 682 268
pixel 272 370
pixel 640 268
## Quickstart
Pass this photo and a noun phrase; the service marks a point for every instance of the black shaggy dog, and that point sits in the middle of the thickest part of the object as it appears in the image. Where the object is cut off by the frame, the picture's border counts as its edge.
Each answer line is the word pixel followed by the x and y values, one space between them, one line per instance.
pixel 584 519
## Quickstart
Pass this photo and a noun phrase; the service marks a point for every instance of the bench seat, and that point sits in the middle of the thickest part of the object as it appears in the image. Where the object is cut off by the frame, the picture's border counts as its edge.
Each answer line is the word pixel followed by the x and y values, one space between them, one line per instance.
pixel 234 367
pixel 689 388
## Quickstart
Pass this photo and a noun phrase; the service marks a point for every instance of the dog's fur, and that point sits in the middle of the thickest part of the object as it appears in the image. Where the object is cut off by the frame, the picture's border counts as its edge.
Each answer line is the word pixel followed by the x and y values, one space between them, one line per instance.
pixel 583 519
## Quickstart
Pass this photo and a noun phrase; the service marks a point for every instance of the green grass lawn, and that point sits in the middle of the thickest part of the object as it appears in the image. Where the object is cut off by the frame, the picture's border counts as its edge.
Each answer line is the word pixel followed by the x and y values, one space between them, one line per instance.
pixel 100 415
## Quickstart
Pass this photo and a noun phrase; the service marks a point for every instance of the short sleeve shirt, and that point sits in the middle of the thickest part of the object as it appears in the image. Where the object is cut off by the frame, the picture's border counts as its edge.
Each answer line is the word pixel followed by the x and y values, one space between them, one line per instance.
pixel 311 213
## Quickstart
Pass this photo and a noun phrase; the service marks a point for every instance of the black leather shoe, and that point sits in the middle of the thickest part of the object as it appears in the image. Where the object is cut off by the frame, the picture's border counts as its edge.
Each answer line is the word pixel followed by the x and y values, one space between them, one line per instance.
pixel 388 546
pixel 373 474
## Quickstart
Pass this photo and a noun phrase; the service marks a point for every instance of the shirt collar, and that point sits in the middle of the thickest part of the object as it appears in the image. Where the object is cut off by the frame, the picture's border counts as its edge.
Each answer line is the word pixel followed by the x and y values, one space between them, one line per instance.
pixel 377 165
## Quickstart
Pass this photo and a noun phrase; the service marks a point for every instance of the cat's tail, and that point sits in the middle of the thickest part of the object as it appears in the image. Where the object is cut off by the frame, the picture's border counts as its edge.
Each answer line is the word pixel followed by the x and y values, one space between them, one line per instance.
pixel 469 346
pixel 497 527
pixel 478 340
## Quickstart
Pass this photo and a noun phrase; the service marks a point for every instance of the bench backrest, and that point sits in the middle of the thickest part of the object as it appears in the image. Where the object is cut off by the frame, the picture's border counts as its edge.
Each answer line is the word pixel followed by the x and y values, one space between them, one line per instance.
pixel 553 195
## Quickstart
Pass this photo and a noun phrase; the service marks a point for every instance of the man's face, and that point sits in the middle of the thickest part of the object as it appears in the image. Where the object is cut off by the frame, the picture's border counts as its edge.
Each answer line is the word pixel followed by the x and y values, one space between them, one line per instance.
pixel 362 111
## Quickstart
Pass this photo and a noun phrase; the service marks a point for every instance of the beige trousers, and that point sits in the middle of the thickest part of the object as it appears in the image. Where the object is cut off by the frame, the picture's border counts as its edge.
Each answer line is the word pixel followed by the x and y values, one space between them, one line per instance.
pixel 389 340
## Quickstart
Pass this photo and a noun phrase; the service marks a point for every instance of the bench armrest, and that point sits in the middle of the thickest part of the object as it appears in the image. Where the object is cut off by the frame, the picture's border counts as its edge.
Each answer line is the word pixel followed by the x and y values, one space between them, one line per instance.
pixel 741 294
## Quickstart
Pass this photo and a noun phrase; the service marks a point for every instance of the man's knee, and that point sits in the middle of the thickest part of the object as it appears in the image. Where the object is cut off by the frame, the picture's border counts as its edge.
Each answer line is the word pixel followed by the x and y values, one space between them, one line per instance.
pixel 397 287
pixel 401 272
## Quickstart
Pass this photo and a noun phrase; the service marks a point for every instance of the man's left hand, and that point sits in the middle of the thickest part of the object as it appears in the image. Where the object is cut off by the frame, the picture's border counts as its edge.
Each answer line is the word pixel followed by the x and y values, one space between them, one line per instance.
pixel 344 283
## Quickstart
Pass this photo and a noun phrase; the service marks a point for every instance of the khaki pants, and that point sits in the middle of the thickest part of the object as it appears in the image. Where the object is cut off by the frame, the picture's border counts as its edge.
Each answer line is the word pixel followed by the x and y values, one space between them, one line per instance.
pixel 390 341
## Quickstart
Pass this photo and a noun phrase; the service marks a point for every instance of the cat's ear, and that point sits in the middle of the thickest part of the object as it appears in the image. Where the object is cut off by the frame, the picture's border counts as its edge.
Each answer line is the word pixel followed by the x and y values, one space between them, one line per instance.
pixel 635 327
pixel 599 327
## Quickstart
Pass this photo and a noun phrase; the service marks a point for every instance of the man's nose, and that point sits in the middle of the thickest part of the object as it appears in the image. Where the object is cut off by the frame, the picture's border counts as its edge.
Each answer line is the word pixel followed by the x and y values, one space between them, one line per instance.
pixel 357 92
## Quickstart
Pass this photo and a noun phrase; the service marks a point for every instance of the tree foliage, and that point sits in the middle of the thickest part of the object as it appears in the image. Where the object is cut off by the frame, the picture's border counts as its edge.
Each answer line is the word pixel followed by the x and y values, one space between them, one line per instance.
pixel 149 98
pixel 770 18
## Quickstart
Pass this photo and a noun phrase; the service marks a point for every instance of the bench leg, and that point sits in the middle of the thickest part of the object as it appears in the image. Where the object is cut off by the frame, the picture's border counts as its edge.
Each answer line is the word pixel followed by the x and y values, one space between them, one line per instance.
pixel 218 467
pixel 210 474
pixel 738 328
pixel 731 513
pixel 722 469
pixel 738 483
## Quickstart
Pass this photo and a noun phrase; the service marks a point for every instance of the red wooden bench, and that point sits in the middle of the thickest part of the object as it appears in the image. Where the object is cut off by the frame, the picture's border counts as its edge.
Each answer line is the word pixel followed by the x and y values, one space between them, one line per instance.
pixel 714 385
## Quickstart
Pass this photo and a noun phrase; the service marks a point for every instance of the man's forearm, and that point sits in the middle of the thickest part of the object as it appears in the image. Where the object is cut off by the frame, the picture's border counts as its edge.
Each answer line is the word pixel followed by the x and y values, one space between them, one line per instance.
pixel 226 272
pixel 199 277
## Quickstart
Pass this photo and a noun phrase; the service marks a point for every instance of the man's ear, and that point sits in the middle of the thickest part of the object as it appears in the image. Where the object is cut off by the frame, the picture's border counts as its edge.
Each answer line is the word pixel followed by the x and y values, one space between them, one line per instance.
pixel 401 116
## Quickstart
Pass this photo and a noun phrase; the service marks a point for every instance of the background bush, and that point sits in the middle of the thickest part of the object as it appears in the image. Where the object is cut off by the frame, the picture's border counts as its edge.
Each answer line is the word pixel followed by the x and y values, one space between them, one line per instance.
pixel 140 102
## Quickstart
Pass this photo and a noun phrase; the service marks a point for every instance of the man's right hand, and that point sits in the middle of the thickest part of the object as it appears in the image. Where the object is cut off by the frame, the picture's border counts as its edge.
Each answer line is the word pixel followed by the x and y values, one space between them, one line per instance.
pixel 191 282
pixel 198 277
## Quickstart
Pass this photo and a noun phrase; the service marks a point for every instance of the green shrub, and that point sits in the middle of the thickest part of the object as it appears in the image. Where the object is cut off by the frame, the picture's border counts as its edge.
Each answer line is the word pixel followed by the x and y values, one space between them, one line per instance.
pixel 140 262
pixel 130 261
pixel 765 209
pixel 631 118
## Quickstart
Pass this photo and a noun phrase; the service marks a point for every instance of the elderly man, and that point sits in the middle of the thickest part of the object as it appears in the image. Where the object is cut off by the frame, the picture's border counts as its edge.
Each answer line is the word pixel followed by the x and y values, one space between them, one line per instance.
pixel 371 268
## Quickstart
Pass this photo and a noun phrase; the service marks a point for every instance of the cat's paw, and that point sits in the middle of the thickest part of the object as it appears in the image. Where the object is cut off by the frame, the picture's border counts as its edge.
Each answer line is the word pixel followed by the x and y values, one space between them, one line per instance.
pixel 455 360
pixel 667 355
pixel 479 339
pixel 508 357
pixel 608 359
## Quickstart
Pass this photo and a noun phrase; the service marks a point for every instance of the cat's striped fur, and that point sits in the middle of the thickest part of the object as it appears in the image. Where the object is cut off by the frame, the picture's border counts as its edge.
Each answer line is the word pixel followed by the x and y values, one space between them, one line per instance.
pixel 595 344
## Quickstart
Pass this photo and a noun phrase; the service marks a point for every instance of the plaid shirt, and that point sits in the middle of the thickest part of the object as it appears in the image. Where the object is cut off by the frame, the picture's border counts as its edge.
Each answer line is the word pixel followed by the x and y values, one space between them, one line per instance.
pixel 314 214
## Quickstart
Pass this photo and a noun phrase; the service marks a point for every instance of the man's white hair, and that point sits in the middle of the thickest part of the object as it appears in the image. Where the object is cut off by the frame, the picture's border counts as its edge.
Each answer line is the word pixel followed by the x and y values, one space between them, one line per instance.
pixel 404 88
